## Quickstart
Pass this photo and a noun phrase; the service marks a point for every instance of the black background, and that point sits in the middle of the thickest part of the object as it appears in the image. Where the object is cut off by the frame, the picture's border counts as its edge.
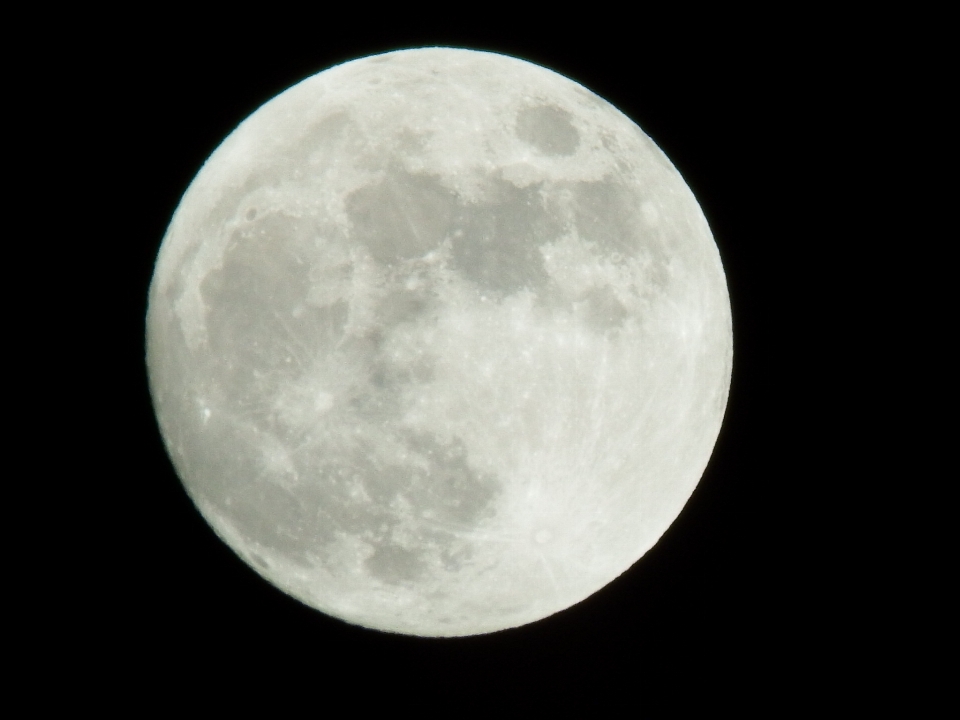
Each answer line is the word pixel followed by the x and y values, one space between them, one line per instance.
pixel 733 598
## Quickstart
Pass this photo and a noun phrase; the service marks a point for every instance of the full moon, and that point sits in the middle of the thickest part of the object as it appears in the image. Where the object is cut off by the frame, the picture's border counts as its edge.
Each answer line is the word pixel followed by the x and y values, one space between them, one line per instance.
pixel 439 342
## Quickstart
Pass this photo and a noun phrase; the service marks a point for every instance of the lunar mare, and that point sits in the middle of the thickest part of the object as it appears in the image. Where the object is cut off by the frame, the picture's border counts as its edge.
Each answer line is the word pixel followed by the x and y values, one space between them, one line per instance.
pixel 439 342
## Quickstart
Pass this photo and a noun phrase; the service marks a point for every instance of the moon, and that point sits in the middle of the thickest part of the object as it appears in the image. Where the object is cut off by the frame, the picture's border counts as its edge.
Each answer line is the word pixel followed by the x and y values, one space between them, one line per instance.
pixel 439 342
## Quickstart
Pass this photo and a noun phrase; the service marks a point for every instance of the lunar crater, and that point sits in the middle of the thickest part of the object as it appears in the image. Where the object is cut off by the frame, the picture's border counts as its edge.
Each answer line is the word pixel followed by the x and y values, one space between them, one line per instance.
pixel 549 129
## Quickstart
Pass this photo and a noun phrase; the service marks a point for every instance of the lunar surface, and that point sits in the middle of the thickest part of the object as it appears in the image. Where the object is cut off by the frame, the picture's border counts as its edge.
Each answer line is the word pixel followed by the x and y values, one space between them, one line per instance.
pixel 439 342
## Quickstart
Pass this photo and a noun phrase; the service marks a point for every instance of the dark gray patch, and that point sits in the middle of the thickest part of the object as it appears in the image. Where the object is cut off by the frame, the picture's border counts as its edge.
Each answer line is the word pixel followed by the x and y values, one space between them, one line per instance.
pixel 261 280
pixel 410 142
pixel 606 214
pixel 447 489
pixel 453 560
pixel 386 483
pixel 259 561
pixel 271 515
pixel 322 138
pixel 379 400
pixel 497 243
pixel 391 378
pixel 602 310
pixel 402 217
pixel 548 129
pixel 444 495
pixel 394 564
pixel 402 306
pixel 450 490
pixel 377 395
pixel 398 308
pixel 259 326
pixel 323 326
